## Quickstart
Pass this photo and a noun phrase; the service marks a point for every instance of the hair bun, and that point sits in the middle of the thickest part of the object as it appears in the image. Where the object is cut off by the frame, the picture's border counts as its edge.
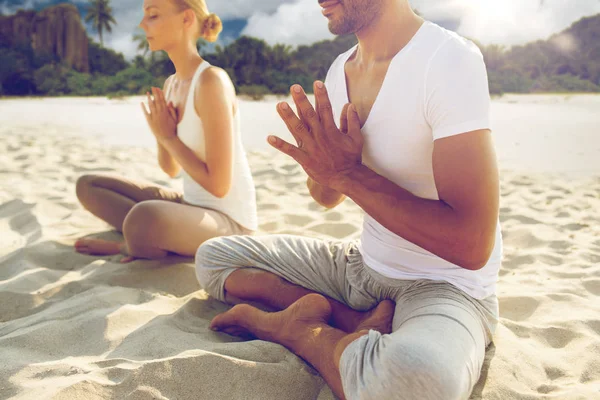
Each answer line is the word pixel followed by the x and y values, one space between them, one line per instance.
pixel 212 27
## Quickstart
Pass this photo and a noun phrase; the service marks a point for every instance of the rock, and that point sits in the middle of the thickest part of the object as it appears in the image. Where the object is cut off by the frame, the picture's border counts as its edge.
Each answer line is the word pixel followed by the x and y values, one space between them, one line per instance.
pixel 56 30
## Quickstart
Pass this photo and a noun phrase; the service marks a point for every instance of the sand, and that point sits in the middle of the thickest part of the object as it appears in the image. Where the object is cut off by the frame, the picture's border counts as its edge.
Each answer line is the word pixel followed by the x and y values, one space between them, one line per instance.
pixel 81 327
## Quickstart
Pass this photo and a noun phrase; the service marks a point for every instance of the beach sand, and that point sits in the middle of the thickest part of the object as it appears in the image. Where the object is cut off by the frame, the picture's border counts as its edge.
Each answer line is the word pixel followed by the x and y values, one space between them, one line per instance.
pixel 80 327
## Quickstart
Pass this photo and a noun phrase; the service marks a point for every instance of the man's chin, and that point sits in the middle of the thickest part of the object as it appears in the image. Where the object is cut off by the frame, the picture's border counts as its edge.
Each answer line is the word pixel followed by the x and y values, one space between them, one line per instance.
pixel 338 29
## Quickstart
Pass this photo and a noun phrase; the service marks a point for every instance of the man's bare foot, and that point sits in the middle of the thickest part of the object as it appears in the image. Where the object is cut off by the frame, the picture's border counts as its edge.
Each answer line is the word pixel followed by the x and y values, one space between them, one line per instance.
pixel 378 319
pixel 291 327
pixel 97 247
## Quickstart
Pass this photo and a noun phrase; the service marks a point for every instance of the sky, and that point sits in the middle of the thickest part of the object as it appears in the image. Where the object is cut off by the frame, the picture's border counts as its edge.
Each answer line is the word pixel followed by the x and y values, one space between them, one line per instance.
pixel 294 22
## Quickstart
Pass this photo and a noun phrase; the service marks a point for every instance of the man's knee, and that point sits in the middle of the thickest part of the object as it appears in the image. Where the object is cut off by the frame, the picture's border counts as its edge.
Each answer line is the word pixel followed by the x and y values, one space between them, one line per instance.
pixel 426 374
pixel 205 260
pixel 404 371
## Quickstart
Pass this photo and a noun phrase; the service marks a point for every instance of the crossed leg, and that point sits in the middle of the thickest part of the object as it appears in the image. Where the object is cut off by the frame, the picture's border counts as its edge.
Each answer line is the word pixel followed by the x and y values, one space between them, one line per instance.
pixel 306 324
pixel 154 221
pixel 439 336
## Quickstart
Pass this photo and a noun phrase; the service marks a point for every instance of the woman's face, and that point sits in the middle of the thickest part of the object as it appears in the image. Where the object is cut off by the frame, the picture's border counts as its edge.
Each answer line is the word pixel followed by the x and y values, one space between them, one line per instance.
pixel 163 24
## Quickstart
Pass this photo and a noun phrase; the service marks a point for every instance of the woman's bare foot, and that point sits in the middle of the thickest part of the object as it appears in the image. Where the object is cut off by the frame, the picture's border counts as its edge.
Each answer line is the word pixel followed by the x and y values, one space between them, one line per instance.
pixel 292 327
pixel 97 247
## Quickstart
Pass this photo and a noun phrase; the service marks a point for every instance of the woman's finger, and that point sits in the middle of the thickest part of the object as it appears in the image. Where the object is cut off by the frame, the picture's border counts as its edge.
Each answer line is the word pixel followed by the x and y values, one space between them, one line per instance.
pixel 173 112
pixel 146 113
pixel 158 101
pixel 151 105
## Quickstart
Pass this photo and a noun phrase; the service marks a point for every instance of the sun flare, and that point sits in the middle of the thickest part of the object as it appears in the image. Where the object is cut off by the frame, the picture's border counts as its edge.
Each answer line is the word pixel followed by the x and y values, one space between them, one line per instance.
pixel 491 10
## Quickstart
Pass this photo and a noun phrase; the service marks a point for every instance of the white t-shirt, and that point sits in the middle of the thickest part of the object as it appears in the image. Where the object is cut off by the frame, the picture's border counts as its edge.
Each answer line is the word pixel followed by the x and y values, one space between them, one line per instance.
pixel 435 87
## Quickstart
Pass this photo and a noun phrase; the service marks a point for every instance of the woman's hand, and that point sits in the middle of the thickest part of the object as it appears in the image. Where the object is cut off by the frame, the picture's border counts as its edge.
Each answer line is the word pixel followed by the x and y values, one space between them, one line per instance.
pixel 161 117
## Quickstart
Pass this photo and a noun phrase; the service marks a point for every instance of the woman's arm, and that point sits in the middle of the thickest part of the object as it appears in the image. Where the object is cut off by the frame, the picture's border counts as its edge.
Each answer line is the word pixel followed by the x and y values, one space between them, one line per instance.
pixel 165 160
pixel 214 103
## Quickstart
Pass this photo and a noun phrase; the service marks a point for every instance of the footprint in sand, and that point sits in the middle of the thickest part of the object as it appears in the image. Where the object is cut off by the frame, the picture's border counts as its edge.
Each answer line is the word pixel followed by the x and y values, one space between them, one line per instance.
pixel 518 308
pixel 545 389
pixel 518 261
pixel 269 227
pixel 338 231
pixel 592 286
pixel 556 337
pixel 591 371
pixel 550 260
pixel 591 257
pixel 334 216
pixel 268 206
pixel 575 227
pixel 554 373
pixel 297 220
pixel 518 330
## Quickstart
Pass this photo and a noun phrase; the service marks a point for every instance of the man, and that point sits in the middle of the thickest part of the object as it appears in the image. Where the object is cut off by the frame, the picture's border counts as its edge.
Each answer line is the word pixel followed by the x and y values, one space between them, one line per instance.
pixel 407 312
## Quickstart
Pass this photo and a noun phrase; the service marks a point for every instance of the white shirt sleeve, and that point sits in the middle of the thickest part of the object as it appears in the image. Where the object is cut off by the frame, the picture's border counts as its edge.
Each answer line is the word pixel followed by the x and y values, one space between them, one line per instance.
pixel 457 98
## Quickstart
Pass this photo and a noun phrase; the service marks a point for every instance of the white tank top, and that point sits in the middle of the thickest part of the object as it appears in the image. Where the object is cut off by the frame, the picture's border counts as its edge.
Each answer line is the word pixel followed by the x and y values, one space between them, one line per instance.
pixel 240 203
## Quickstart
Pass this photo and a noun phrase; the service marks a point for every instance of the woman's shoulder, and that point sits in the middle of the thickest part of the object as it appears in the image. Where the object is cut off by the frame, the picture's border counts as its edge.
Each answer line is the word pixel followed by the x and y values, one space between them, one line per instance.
pixel 214 77
pixel 214 82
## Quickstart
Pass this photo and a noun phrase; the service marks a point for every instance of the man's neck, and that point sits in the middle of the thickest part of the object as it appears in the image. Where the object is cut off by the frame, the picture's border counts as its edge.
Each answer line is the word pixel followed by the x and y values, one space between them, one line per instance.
pixel 388 33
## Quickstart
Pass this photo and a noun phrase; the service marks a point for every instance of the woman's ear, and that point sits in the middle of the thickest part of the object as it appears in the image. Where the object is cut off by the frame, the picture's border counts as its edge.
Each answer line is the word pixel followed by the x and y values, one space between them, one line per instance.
pixel 188 18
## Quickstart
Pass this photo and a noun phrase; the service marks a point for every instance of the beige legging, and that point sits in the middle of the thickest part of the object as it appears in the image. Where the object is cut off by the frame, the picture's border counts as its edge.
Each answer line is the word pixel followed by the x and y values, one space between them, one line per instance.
pixel 154 220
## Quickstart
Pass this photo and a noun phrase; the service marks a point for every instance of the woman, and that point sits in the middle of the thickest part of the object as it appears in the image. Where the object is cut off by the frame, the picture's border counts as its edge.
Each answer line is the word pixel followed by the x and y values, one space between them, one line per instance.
pixel 196 125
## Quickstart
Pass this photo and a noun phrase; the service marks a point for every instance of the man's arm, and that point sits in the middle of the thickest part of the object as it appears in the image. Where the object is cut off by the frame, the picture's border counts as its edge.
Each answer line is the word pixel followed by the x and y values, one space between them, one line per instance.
pixel 323 195
pixel 460 227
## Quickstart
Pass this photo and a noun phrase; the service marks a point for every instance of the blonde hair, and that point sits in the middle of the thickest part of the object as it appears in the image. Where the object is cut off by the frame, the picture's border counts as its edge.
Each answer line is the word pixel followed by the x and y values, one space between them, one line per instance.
pixel 210 24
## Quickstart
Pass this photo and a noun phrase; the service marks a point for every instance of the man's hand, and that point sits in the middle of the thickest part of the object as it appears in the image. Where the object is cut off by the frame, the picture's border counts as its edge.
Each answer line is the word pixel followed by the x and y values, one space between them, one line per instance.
pixel 162 117
pixel 326 153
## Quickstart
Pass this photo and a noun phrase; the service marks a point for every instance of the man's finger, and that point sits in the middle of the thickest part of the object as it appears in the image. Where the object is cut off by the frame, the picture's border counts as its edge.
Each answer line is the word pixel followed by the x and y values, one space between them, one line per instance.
pixel 287 148
pixel 344 119
pixel 309 114
pixel 324 109
pixel 354 124
pixel 293 123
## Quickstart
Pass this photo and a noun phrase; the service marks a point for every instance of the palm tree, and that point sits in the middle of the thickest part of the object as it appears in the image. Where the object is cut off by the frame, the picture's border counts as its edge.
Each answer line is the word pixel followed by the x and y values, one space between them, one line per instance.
pixel 99 13
pixel 140 37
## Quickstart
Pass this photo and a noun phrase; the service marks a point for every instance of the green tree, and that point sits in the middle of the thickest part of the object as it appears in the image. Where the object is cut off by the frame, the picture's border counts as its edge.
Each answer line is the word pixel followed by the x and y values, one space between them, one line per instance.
pixel 105 61
pixel 99 13
pixel 142 43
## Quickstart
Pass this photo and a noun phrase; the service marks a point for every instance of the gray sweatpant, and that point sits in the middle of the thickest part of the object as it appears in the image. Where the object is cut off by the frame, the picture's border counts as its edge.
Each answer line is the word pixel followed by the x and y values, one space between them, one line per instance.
pixel 440 334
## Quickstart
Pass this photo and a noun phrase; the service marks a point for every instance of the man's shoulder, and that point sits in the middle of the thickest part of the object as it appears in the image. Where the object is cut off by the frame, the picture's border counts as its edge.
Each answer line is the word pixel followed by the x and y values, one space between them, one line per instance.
pixel 448 44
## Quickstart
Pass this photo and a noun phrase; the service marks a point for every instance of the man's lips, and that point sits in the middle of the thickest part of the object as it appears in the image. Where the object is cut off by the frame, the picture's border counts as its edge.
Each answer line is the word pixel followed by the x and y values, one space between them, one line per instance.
pixel 327 5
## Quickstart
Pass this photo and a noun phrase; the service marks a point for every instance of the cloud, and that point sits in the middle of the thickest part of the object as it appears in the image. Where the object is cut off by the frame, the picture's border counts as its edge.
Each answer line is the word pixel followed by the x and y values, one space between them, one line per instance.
pixel 128 13
pixel 297 23
pixel 507 22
